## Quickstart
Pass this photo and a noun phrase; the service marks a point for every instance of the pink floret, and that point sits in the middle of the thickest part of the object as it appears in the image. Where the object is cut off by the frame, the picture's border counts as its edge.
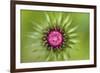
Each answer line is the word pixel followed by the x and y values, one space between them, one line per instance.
pixel 55 38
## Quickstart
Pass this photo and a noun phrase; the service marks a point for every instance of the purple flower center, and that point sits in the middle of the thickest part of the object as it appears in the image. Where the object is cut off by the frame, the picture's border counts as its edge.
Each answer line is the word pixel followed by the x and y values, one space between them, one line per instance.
pixel 55 38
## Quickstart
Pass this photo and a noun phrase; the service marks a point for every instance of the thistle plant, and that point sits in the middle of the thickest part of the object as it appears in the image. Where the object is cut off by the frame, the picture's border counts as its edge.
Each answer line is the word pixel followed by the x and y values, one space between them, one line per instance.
pixel 53 38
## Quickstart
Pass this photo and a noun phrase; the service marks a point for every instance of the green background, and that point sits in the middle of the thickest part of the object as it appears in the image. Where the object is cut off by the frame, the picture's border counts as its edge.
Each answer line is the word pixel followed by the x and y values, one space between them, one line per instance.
pixel 80 19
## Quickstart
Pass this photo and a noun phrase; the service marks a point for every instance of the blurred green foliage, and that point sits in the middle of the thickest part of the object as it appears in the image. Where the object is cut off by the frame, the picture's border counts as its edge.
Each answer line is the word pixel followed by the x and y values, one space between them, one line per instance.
pixel 81 50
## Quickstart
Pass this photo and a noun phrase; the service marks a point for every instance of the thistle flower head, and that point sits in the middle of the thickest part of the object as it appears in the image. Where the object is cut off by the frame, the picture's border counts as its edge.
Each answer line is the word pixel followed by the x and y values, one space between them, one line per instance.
pixel 54 37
